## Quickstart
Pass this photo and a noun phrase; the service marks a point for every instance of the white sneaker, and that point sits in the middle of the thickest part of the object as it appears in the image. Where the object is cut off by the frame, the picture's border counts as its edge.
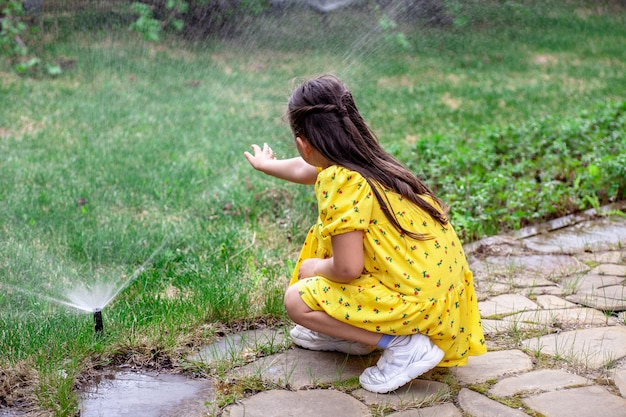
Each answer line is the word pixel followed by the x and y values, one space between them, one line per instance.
pixel 309 339
pixel 406 358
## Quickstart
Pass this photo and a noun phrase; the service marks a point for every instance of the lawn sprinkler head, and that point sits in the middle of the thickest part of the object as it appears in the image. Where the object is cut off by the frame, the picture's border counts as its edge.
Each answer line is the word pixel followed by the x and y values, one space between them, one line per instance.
pixel 97 318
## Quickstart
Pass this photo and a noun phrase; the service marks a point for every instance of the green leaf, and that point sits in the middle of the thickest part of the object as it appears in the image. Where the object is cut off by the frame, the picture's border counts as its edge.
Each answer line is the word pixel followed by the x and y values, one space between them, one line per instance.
pixel 178 24
pixel 53 69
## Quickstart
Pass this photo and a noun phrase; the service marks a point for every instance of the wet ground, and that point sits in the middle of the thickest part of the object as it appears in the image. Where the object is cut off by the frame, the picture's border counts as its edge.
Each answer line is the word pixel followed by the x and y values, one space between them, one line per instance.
pixel 564 283
pixel 566 279
pixel 141 393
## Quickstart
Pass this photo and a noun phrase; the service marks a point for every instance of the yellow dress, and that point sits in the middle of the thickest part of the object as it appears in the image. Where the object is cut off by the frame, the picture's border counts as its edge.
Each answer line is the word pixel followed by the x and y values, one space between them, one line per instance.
pixel 407 286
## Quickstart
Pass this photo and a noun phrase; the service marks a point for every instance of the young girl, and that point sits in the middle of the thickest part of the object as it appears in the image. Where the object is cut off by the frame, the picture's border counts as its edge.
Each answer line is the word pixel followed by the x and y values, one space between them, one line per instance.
pixel 382 267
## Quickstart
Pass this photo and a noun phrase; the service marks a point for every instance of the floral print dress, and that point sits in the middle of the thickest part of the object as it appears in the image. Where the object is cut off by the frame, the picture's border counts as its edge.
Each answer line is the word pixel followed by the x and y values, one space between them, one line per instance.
pixel 407 286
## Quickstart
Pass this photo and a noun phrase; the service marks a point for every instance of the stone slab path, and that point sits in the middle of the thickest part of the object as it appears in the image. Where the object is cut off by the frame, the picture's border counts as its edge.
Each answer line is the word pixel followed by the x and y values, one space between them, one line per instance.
pixel 553 302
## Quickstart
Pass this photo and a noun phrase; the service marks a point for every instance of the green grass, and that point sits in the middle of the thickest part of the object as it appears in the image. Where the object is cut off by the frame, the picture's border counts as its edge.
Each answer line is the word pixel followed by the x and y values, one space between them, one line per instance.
pixel 514 115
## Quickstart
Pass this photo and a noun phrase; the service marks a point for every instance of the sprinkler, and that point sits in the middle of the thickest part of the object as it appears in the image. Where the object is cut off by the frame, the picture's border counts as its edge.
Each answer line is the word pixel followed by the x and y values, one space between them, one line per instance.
pixel 97 318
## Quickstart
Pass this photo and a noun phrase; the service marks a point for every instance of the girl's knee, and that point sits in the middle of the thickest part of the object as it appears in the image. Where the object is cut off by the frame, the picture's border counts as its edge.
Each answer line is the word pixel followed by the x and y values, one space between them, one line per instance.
pixel 289 301
pixel 294 304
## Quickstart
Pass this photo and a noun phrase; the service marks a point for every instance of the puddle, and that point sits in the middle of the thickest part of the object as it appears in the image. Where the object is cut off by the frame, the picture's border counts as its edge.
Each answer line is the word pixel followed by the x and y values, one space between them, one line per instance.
pixel 146 394
pixel 141 393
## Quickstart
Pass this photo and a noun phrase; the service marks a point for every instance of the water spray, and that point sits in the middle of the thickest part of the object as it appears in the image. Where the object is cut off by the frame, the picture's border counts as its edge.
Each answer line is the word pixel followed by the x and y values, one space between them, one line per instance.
pixel 85 297
pixel 97 319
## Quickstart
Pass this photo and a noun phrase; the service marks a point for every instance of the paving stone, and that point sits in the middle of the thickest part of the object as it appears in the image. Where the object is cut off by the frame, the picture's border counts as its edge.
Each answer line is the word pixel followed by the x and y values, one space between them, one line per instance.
pixel 477 405
pixel 528 283
pixel 494 245
pixel 592 348
pixel 592 401
pixel 605 257
pixel 506 325
pixel 583 317
pixel 504 281
pixel 415 393
pixel 539 380
pixel 485 288
pixel 492 365
pixel 535 291
pixel 619 379
pixel 505 304
pixel 544 320
pixel 443 410
pixel 239 345
pixel 599 234
pixel 611 298
pixel 551 226
pixel 610 269
pixel 552 301
pixel 590 282
pixel 301 368
pixel 616 291
pixel 313 403
pixel 539 267
pixel 579 316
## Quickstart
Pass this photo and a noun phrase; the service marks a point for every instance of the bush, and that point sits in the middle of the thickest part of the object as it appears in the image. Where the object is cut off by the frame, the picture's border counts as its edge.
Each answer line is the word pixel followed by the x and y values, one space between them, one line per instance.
pixel 12 28
pixel 199 19
pixel 507 178
pixel 14 37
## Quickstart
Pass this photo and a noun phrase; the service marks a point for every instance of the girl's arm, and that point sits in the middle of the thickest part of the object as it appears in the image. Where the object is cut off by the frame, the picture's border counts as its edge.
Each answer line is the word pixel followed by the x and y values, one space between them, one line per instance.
pixel 294 169
pixel 346 263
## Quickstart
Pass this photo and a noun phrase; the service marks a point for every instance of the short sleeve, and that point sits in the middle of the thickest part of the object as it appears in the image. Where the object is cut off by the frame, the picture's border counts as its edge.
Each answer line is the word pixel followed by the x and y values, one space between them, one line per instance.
pixel 345 201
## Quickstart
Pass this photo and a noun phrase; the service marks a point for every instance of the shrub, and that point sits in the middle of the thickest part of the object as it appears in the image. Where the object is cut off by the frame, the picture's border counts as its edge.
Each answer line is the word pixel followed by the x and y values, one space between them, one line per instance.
pixel 507 178
pixel 199 19
pixel 14 32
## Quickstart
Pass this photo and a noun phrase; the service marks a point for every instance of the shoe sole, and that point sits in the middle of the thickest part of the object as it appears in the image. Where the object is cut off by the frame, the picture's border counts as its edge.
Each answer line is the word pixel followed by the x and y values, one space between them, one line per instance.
pixel 414 370
pixel 350 350
pixel 347 347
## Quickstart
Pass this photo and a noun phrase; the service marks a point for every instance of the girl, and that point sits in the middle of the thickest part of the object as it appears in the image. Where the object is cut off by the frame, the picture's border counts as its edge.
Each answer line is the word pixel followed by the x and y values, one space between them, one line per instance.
pixel 382 267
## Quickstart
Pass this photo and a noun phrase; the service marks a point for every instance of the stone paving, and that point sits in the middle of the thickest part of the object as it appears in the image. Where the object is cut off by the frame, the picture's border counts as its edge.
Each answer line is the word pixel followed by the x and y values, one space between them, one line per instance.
pixel 553 302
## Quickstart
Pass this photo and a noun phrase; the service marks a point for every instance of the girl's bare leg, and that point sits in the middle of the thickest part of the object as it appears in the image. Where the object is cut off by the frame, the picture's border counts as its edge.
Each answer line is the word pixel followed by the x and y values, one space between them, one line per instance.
pixel 321 322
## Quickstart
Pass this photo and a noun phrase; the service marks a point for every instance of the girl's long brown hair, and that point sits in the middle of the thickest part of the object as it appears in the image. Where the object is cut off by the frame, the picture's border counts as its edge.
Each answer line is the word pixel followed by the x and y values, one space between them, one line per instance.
pixel 322 111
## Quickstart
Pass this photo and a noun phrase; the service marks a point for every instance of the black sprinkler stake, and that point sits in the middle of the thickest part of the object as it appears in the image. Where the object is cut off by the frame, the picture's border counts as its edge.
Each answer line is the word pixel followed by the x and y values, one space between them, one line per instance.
pixel 97 318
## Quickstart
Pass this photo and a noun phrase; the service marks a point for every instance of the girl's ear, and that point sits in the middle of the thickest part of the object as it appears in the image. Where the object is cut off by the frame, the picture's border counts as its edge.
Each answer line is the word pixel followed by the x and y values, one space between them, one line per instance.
pixel 304 147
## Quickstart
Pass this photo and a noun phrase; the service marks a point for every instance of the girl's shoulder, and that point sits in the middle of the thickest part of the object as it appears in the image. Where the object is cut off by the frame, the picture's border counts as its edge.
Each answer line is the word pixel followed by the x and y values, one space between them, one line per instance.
pixel 338 173
pixel 340 178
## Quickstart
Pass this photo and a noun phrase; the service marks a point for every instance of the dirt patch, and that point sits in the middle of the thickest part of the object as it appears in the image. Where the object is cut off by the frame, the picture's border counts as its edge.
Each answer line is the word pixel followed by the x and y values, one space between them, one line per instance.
pixel 603 8
pixel 544 60
pixel 18 389
pixel 27 126
pixel 5 133
pixel 453 103
pixel 7 79
pixel 178 52
pixel 396 82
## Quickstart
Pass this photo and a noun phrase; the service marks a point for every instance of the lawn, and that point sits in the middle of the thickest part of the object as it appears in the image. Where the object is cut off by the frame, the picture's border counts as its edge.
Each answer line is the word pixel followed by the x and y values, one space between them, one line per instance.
pixel 126 171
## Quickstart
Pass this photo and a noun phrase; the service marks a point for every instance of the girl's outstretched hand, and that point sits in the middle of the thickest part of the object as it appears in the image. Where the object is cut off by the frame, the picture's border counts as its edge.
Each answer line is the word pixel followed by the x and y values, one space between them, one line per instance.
pixel 292 169
pixel 261 157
